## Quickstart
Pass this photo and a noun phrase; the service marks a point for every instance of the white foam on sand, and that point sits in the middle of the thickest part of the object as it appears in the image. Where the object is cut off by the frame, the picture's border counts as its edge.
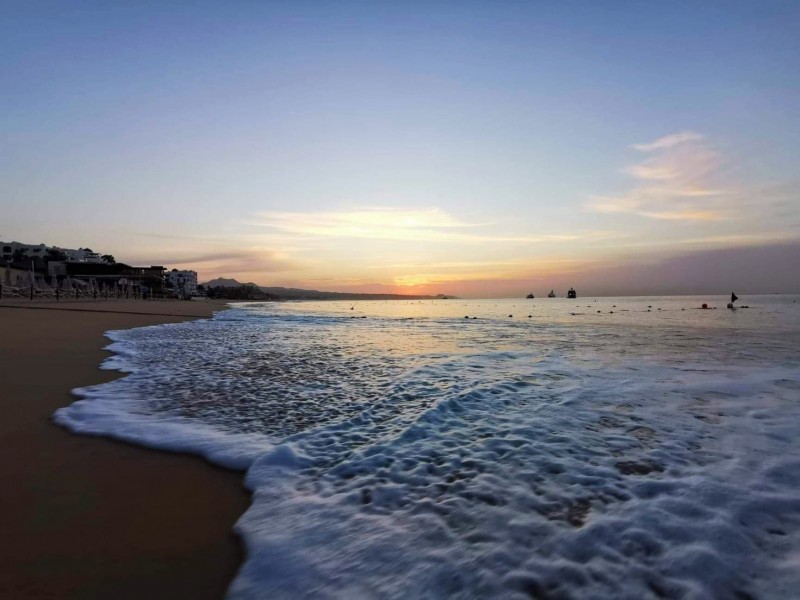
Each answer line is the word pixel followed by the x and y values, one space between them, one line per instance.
pixel 121 415
pixel 420 458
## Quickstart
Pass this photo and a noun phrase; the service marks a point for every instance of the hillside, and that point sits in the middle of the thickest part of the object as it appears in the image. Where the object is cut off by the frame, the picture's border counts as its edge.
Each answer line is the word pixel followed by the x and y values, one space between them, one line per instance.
pixel 224 282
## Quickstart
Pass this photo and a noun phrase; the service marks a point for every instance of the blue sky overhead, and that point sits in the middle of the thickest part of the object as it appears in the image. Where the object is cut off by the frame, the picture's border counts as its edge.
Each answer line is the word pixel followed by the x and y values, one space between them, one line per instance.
pixel 472 148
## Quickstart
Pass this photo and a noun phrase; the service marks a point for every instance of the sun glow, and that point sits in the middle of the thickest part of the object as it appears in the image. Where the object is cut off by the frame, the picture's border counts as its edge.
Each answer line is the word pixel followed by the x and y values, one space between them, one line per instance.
pixel 411 280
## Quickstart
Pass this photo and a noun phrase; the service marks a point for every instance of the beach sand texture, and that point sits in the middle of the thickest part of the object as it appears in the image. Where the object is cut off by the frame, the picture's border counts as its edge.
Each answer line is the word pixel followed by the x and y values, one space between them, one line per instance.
pixel 86 517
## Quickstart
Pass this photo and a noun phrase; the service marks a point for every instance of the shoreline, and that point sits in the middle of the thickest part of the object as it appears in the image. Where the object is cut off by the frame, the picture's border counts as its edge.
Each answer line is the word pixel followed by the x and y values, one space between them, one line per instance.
pixel 89 516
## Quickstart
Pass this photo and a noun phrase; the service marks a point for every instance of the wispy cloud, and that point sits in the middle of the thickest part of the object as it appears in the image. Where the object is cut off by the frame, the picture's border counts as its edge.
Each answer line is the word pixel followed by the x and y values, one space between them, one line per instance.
pixel 465 265
pixel 669 141
pixel 755 238
pixel 678 180
pixel 254 261
pixel 367 223
pixel 400 224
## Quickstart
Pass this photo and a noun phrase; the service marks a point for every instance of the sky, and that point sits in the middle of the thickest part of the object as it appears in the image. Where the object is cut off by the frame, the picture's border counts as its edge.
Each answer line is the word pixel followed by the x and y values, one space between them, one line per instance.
pixel 471 148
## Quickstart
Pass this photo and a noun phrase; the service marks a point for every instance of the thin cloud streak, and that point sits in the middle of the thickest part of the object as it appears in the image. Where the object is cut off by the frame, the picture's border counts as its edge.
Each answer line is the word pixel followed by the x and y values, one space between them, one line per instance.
pixel 669 141
pixel 449 265
pixel 743 240
pixel 408 225
pixel 256 261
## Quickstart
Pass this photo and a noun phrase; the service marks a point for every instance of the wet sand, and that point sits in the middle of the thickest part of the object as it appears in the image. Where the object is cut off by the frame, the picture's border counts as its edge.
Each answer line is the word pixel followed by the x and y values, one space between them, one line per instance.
pixel 87 517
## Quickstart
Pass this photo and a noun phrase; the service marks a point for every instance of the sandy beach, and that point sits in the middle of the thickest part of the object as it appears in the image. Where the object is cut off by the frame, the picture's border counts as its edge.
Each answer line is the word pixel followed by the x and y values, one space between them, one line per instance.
pixel 88 517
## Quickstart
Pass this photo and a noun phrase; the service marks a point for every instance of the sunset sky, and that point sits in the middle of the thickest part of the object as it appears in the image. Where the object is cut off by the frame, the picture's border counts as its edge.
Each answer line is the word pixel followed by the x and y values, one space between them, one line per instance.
pixel 470 148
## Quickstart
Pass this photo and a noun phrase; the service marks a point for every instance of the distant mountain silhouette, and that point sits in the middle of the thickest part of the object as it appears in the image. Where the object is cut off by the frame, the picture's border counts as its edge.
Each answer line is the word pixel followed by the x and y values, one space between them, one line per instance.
pixel 223 282
pixel 283 293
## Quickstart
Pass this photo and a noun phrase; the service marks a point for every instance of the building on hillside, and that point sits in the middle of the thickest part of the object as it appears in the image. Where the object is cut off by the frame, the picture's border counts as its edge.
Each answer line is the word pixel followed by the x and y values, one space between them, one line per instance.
pixel 82 255
pixel 17 251
pixel 183 283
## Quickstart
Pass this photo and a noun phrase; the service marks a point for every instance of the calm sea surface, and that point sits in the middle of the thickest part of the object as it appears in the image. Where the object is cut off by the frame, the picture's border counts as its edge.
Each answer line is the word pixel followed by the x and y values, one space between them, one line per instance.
pixel 548 448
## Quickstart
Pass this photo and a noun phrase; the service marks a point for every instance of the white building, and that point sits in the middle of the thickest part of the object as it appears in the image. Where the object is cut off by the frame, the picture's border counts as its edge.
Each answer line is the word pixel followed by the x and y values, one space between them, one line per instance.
pixel 184 283
pixel 82 255
pixel 28 250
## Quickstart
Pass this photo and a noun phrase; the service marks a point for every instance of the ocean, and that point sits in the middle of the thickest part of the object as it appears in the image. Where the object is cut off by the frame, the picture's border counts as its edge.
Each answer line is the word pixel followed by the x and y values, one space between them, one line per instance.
pixel 548 448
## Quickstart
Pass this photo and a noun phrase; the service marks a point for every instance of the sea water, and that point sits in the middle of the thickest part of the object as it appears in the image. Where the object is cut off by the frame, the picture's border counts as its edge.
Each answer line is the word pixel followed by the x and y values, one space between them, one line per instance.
pixel 548 448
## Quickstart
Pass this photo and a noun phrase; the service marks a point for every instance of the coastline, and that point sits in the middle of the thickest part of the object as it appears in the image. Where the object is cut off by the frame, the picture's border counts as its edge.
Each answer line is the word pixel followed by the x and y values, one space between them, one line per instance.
pixel 85 516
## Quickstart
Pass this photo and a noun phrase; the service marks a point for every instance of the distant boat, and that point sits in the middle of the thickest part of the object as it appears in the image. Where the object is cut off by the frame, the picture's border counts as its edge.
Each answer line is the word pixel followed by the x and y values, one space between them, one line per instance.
pixel 572 293
pixel 552 294
pixel 530 296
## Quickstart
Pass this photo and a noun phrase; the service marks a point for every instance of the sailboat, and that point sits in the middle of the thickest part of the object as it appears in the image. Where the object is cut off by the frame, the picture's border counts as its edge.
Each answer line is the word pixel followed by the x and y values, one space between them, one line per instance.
pixel 552 294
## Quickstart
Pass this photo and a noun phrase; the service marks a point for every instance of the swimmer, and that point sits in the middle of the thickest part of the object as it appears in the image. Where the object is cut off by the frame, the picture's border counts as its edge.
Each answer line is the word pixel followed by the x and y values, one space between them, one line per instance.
pixel 734 298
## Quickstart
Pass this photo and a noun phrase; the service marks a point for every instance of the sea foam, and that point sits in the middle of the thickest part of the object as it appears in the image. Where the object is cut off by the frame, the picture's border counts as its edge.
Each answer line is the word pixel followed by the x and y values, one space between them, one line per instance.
pixel 415 456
